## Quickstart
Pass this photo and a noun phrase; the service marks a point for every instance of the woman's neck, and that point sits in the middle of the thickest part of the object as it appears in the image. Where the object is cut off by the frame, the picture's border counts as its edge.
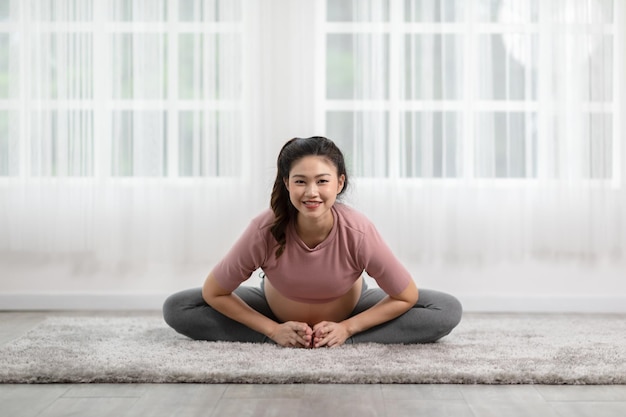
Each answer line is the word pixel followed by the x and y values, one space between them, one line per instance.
pixel 314 231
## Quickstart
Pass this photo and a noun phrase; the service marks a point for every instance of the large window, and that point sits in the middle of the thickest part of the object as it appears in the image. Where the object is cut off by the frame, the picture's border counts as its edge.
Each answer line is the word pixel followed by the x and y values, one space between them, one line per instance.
pixel 466 89
pixel 120 88
pixel 474 89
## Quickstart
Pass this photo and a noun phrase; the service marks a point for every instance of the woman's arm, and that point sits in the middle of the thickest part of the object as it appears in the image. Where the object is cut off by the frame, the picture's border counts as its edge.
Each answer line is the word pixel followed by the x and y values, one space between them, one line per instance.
pixel 291 333
pixel 335 334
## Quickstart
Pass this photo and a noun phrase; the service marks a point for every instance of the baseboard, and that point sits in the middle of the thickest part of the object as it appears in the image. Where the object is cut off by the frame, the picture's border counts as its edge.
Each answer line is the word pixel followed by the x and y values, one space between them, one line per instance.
pixel 82 301
pixel 471 303
pixel 544 304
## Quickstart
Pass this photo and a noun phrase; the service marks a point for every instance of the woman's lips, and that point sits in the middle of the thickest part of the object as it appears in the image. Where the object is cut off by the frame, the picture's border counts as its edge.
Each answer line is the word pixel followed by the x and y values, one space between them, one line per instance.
pixel 312 204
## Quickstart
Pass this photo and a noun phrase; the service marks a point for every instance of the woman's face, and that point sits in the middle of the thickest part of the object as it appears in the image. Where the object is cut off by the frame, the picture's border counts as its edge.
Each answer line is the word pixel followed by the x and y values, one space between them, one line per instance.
pixel 313 186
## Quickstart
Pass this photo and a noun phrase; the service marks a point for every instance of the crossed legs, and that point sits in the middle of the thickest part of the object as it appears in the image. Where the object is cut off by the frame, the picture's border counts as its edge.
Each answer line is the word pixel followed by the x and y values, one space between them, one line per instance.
pixel 434 316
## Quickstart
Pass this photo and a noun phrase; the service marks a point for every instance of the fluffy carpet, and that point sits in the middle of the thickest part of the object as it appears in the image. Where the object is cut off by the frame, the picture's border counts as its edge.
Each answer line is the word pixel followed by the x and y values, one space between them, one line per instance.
pixel 484 349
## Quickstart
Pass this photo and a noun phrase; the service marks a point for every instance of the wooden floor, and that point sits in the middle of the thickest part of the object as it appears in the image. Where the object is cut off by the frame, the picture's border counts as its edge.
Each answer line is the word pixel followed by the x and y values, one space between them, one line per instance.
pixel 206 400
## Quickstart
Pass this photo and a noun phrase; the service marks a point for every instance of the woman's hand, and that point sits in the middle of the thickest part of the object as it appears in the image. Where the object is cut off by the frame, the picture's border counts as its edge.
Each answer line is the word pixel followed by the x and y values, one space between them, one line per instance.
pixel 292 334
pixel 328 333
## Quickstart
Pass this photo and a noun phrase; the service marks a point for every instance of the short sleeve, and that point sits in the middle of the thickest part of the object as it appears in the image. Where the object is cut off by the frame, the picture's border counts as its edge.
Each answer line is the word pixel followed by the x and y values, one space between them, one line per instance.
pixel 247 255
pixel 381 264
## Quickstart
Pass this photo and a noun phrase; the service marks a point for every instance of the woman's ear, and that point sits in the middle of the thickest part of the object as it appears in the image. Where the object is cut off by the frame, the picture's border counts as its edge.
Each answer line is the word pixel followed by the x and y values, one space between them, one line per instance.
pixel 340 183
pixel 286 181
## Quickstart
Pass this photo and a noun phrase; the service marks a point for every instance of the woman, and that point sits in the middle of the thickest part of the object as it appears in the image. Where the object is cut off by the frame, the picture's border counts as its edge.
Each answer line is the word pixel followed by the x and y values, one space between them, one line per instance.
pixel 313 251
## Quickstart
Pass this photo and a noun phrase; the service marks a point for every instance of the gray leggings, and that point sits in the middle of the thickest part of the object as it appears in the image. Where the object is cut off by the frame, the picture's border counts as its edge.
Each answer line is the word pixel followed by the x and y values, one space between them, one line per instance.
pixel 434 315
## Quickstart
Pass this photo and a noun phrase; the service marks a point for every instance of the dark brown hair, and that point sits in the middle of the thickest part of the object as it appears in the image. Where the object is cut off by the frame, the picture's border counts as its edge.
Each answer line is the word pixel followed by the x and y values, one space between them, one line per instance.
pixel 292 151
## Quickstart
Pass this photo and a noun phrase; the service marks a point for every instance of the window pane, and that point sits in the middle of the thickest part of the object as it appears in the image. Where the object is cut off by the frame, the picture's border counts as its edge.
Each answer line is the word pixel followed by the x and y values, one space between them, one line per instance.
pixel 433 67
pixel 9 143
pixel 507 66
pixel 209 10
pixel 508 11
pixel 209 59
pixel 363 137
pixel 5 154
pixel 591 58
pixel 209 144
pixel 433 10
pixel 431 145
pixel 139 143
pixel 62 66
pixel 138 10
pixel 598 68
pixel 582 11
pixel 139 64
pixel 506 144
pixel 62 10
pixel 62 143
pixel 5 62
pixel 9 10
pixel 356 64
pixel 598 139
pixel 357 10
pixel 589 137
pixel 190 78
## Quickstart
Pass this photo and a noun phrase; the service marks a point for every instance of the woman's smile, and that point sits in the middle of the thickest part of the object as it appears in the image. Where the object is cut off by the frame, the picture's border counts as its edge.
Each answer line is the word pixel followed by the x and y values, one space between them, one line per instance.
pixel 312 205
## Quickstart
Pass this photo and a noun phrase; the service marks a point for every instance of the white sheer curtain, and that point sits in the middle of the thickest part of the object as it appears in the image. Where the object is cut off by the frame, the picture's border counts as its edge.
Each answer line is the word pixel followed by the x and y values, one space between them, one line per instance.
pixel 121 131
pixel 138 137
pixel 486 131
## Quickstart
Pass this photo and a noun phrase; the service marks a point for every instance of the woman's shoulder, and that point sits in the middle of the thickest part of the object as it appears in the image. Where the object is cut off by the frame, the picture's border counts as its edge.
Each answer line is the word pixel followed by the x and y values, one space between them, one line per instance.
pixel 263 220
pixel 352 218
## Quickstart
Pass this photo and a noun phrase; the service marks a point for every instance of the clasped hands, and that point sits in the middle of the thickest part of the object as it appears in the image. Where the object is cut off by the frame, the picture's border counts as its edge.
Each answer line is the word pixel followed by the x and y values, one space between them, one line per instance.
pixel 297 334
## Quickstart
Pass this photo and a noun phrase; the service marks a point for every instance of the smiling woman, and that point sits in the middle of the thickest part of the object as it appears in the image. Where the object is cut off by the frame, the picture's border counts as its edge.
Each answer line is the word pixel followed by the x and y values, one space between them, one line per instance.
pixel 313 252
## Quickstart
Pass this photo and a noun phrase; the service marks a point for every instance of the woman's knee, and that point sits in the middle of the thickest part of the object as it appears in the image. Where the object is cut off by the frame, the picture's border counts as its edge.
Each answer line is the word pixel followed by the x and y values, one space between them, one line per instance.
pixel 455 310
pixel 446 313
pixel 175 305
pixel 452 312
pixel 171 309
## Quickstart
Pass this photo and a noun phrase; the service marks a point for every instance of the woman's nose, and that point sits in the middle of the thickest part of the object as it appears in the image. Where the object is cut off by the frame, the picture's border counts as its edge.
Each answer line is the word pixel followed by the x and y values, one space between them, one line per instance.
pixel 311 190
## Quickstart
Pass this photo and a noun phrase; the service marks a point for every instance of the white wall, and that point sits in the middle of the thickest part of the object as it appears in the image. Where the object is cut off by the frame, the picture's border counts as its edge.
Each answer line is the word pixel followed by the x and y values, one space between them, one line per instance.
pixel 521 288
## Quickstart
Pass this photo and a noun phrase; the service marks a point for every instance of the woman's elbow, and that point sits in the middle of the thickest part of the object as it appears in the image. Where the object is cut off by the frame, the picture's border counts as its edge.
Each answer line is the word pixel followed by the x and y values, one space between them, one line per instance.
pixel 206 295
pixel 411 294
pixel 211 290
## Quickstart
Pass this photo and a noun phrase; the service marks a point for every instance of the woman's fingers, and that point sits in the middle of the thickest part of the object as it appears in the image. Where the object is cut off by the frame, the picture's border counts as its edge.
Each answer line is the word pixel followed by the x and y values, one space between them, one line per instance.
pixel 329 334
pixel 297 334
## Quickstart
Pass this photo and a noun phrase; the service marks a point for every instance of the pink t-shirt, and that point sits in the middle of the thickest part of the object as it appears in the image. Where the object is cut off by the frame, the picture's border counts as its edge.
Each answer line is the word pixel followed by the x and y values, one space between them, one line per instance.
pixel 314 275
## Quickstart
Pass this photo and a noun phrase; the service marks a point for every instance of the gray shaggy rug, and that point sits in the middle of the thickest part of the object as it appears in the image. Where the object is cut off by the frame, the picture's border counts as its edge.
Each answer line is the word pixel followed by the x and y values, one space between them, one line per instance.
pixel 484 349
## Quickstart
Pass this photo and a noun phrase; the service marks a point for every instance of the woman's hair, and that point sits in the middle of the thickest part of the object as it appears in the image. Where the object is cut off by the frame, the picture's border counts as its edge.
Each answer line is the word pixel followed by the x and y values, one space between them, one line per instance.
pixel 292 151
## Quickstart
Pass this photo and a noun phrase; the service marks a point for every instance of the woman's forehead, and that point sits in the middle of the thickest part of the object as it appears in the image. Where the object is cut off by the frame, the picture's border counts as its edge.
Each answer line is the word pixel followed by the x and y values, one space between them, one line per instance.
pixel 313 165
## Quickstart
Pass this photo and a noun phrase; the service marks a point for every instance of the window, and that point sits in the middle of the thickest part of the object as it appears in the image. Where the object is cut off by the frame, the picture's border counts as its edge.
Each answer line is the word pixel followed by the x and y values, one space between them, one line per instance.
pixel 473 89
pixel 410 88
pixel 122 88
